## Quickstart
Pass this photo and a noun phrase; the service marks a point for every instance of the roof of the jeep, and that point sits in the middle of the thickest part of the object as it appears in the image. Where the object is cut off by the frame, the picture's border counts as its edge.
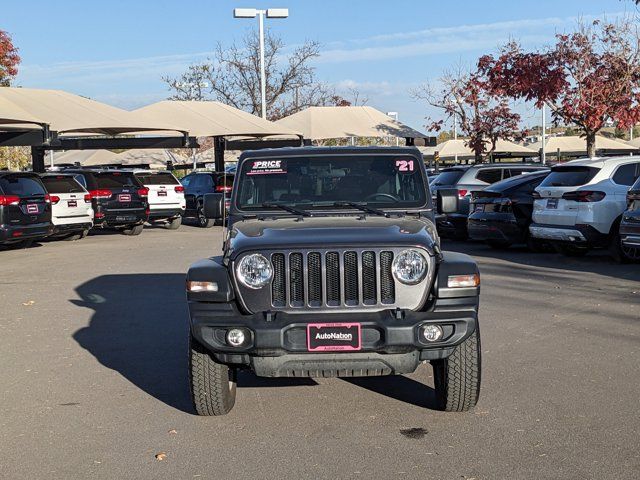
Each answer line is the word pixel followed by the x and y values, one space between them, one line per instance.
pixel 316 151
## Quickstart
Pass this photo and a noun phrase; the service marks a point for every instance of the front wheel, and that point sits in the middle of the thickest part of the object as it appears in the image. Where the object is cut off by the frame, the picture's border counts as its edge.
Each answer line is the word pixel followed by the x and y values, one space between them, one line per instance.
pixel 457 378
pixel 213 384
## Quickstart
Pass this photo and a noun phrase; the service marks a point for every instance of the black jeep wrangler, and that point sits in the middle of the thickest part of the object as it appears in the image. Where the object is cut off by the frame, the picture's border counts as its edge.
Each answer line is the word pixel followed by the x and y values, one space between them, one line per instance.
pixel 331 267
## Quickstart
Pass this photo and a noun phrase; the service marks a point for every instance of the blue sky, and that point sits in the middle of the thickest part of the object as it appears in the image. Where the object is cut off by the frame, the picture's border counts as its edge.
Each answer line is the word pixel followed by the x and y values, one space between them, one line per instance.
pixel 117 51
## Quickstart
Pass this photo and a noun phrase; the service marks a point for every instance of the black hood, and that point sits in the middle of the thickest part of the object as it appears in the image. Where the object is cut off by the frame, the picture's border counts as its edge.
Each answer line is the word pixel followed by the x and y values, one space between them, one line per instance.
pixel 286 233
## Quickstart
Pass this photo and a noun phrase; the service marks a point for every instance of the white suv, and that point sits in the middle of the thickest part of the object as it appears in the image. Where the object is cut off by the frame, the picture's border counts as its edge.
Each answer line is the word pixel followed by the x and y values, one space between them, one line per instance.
pixel 166 196
pixel 71 210
pixel 580 204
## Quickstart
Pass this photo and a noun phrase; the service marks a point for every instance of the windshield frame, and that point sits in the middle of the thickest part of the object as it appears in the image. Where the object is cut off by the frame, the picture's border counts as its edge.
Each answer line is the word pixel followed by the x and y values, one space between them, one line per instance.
pixel 234 208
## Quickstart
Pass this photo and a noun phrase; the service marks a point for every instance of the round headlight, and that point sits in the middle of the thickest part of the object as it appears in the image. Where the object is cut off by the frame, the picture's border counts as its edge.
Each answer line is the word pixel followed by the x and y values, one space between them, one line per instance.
pixel 410 267
pixel 254 271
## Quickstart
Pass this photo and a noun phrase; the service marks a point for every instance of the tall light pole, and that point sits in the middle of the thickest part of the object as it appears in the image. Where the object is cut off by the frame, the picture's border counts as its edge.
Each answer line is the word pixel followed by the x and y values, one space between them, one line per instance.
pixel 270 13
pixel 394 115
pixel 543 156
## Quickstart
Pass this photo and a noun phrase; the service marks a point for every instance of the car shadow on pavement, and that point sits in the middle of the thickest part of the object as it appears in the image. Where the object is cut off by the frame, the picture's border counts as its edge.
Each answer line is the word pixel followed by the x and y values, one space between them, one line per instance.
pixel 399 387
pixel 139 328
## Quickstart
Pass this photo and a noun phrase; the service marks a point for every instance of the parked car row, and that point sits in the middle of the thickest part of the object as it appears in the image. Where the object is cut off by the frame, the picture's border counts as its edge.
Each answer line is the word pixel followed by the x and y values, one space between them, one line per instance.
pixel 69 203
pixel 573 207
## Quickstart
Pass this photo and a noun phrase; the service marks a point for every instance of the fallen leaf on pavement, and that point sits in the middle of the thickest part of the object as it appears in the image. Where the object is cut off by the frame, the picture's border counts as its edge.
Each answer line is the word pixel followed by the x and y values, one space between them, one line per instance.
pixel 161 456
pixel 29 303
pixel 172 431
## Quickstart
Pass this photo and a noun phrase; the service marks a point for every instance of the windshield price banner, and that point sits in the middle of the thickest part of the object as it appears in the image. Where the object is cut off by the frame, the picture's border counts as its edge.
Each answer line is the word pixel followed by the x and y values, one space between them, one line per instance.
pixel 267 167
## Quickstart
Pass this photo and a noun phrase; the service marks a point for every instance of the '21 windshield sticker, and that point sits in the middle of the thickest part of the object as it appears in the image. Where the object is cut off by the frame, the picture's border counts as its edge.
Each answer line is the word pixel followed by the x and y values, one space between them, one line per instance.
pixel 267 167
pixel 405 165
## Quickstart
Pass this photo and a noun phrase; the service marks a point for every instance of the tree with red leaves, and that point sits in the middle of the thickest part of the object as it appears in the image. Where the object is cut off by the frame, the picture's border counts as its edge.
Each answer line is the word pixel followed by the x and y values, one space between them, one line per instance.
pixel 482 116
pixel 9 59
pixel 589 78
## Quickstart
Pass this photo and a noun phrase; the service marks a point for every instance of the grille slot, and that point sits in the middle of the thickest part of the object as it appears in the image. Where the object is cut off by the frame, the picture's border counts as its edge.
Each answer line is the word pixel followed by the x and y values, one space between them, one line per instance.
pixel 296 281
pixel 332 279
pixel 278 287
pixel 351 278
pixel 314 266
pixel 369 291
pixel 387 286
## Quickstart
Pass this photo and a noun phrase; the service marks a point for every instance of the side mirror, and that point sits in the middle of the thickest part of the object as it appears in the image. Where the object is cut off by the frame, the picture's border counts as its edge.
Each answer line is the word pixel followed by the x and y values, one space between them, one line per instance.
pixel 447 200
pixel 213 206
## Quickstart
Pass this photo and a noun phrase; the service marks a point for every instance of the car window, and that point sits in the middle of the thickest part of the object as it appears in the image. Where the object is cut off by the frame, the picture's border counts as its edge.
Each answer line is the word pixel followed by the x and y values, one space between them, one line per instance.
pixel 569 176
pixel 157 179
pixel 636 186
pixel 202 181
pixel 489 175
pixel 186 181
pixel 115 180
pixel 62 184
pixel 81 180
pixel 449 177
pixel 626 174
pixel 226 180
pixel 530 186
pixel 21 186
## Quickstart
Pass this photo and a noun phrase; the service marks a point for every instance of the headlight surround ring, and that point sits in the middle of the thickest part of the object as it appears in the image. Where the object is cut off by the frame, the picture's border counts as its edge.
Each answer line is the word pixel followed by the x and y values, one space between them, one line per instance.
pixel 254 271
pixel 410 267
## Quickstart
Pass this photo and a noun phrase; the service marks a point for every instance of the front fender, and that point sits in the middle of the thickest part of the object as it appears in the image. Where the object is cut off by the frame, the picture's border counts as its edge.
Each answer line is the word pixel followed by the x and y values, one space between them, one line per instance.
pixel 211 270
pixel 454 263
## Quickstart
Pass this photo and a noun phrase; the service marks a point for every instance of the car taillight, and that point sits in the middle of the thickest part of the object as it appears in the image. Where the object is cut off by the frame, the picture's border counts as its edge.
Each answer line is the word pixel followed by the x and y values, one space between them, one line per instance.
pixel 462 193
pixel 87 197
pixel 6 200
pixel 47 198
pixel 584 196
pixel 179 189
pixel 101 193
pixel 143 192
pixel 54 199
pixel 222 188
pixel 536 195
pixel 147 212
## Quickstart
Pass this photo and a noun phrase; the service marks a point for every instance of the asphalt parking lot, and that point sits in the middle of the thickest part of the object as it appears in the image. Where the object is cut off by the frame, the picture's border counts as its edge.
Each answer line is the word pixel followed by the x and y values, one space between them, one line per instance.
pixel 93 351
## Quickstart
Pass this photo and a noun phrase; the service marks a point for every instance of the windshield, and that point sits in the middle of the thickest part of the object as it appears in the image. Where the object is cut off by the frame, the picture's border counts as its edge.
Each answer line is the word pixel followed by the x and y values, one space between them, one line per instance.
pixel 157 179
pixel 316 182
pixel 22 186
pixel 569 176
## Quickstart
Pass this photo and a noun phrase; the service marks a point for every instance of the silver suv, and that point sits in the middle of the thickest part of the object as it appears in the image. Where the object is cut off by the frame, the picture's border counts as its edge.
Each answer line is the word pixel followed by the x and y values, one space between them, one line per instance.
pixel 467 179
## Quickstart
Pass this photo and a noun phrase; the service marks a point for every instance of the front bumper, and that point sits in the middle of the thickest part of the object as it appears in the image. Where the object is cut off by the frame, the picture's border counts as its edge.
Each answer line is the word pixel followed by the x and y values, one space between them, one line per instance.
pixel 11 234
pixel 630 229
pixel 277 342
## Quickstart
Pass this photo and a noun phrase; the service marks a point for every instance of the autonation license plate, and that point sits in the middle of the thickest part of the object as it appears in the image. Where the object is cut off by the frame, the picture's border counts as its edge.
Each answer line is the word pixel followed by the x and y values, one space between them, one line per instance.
pixel 552 203
pixel 124 198
pixel 333 337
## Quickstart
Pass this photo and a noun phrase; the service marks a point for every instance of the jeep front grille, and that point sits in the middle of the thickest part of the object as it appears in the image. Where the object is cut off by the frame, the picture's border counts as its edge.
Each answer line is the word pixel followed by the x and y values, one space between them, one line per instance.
pixel 332 279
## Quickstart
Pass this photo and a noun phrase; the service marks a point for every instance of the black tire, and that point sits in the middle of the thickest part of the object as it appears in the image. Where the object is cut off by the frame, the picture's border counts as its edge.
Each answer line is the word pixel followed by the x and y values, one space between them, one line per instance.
pixel 498 244
pixel 77 236
pixel 174 223
pixel 213 384
pixel 620 253
pixel 203 221
pixel 133 230
pixel 457 378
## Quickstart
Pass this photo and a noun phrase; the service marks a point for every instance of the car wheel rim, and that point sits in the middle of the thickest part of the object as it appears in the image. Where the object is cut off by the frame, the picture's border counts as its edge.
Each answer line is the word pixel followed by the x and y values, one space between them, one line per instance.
pixel 631 252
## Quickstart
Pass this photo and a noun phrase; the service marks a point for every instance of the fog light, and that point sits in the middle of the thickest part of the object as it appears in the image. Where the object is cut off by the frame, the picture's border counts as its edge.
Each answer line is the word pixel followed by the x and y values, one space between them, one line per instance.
pixel 235 337
pixel 432 333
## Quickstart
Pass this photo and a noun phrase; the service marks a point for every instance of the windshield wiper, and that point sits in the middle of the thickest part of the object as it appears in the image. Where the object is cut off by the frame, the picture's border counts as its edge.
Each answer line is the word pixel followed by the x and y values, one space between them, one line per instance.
pixel 362 207
pixel 287 208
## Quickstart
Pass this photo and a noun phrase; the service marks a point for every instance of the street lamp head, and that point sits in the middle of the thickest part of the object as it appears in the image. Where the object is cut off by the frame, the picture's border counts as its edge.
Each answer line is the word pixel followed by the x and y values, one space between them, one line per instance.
pixel 244 12
pixel 277 12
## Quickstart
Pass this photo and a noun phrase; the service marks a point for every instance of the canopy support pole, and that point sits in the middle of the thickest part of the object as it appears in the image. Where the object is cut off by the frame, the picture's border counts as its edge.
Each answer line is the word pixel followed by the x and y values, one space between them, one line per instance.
pixel 37 159
pixel 218 153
